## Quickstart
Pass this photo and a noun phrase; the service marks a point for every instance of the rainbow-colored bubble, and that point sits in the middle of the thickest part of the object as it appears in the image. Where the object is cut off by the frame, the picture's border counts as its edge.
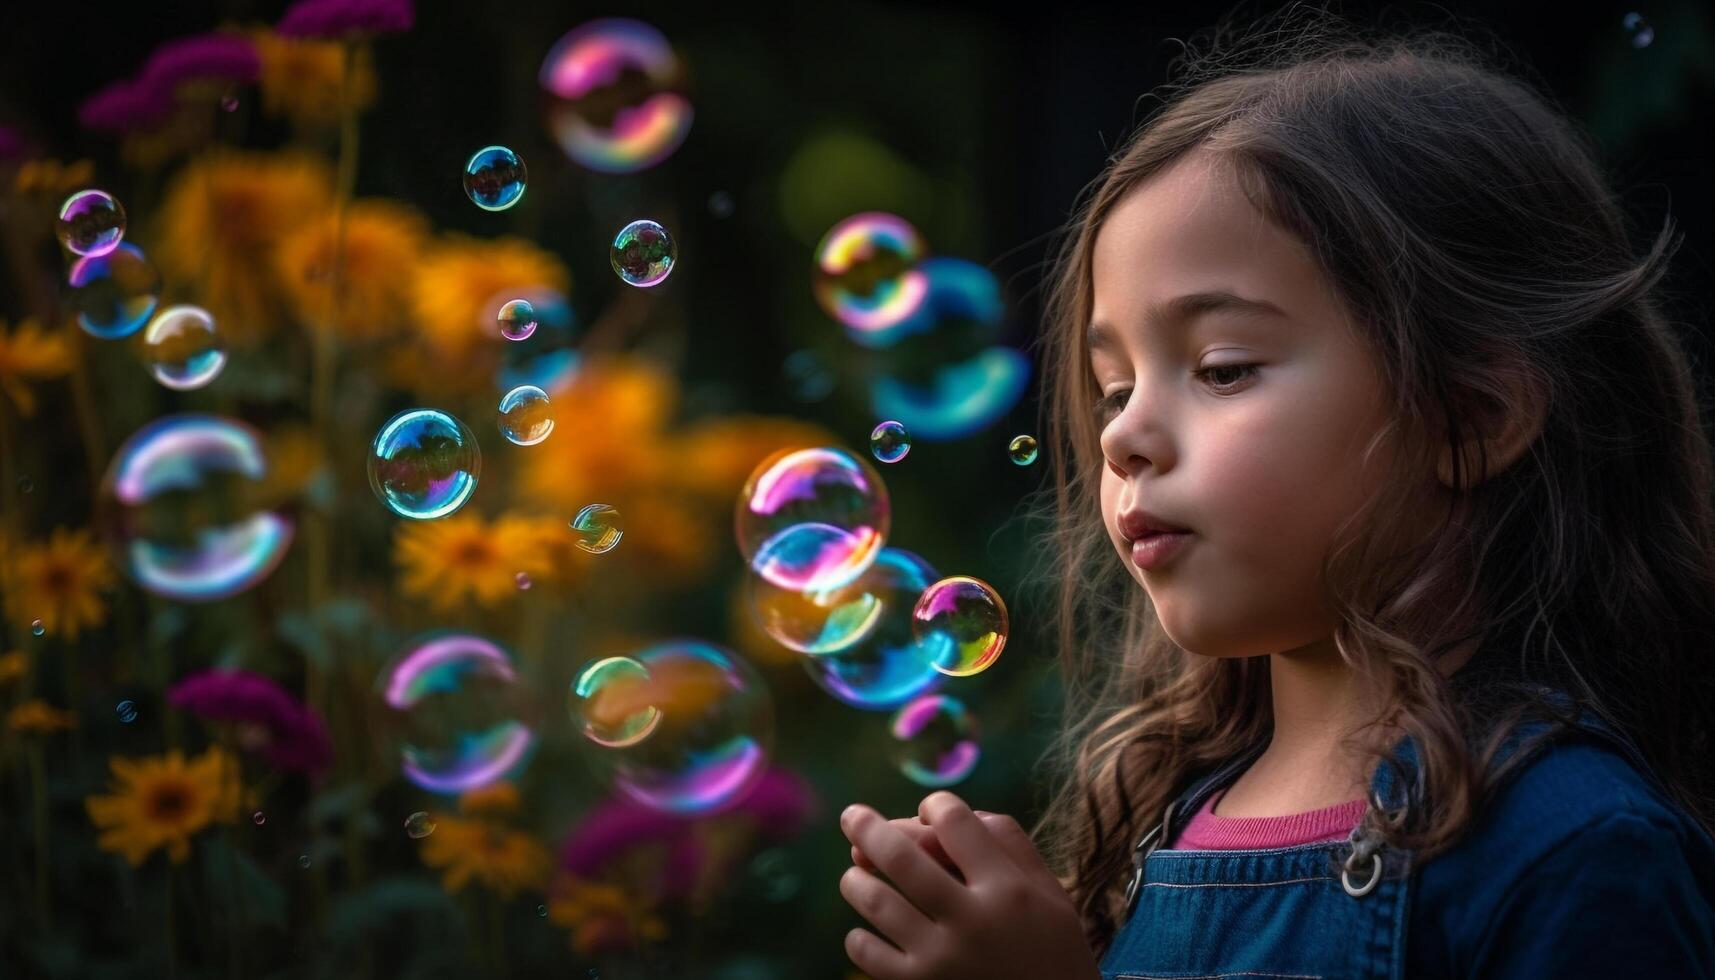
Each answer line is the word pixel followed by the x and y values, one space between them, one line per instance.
pixel 609 701
pixel 934 740
pixel 886 666
pixel 114 294
pixel 1022 450
pixel 827 487
pixel 494 178
pixel 614 96
pixel 712 740
pixel 643 254
pixel 517 319
pixel 424 464
pixel 180 507
pixel 183 348
pixel 599 528
pixel 865 275
pixel 808 621
pixel 889 441
pixel 525 417
pixel 964 621
pixel 461 718
pixel 91 222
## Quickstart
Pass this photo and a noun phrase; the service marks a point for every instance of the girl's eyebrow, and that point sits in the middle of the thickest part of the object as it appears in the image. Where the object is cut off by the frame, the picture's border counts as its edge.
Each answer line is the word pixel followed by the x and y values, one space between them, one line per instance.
pixel 1181 310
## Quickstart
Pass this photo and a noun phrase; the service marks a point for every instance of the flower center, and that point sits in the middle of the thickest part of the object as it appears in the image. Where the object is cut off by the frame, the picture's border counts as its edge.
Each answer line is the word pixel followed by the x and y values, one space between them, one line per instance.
pixel 169 802
pixel 474 553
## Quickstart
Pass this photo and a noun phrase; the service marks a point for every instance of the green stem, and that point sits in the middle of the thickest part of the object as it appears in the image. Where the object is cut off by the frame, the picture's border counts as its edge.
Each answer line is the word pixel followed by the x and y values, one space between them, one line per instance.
pixel 172 928
pixel 39 804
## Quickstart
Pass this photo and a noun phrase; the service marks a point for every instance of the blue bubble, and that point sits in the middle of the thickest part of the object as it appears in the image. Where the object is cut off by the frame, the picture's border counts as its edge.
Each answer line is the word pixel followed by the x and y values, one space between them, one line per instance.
pixel 424 464
pixel 494 178
pixel 888 666
pixel 962 398
pixel 889 441
pixel 114 294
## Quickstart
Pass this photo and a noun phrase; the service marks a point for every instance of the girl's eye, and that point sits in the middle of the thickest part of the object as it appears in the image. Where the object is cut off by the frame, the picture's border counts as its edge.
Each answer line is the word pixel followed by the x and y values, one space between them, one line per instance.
pixel 1114 404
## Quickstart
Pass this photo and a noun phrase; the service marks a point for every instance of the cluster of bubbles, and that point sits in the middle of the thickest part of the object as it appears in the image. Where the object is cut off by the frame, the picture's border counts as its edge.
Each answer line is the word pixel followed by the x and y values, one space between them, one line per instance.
pixel 878 627
pixel 461 720
pixel 935 317
pixel 182 509
pixel 615 100
pixel 643 253
pixel 682 727
pixel 494 178
pixel 424 464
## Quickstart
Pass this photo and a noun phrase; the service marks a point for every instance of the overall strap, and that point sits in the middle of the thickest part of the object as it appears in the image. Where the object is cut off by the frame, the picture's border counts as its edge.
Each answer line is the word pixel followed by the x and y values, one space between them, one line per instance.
pixel 1186 802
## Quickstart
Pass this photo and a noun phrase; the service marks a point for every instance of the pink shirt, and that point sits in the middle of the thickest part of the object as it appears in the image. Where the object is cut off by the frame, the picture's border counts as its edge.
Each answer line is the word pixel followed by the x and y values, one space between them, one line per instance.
pixel 1208 832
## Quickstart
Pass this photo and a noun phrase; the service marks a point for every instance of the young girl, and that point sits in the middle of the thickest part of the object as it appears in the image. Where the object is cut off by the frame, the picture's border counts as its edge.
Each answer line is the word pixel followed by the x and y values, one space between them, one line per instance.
pixel 1389 561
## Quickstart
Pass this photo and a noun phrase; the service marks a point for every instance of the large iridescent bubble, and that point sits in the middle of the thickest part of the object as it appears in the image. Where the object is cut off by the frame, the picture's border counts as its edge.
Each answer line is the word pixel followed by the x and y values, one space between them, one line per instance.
pixel 461 718
pixel 964 621
pixel 866 276
pixel 424 464
pixel 808 620
pixel 609 700
pixel 934 740
pixel 114 294
pixel 615 101
pixel 828 487
pixel 712 740
pixel 180 507
pixel 888 665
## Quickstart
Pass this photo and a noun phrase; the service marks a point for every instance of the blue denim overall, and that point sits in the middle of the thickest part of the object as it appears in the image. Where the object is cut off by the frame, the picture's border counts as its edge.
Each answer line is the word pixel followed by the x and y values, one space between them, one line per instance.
pixel 1344 909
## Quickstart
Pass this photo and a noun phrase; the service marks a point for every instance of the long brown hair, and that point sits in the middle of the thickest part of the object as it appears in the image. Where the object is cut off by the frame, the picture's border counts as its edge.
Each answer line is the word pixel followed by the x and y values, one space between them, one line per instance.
pixel 1466 225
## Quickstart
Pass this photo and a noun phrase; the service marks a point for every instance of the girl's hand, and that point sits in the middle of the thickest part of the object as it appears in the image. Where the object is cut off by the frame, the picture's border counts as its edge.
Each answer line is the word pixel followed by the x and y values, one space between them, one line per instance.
pixel 1008 917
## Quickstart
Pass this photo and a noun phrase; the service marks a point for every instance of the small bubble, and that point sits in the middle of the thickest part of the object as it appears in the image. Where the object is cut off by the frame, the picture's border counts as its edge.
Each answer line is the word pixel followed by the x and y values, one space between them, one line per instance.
pixel 37 628
pixel 517 319
pixel 1639 29
pixel 303 860
pixel 494 178
pixel 541 911
pixel 890 441
pixel 523 580
pixel 418 825
pixel 91 223
pixel 1022 450
pixel 258 818
pixel 598 527
pixel 25 484
pixel 643 253
pixel 721 204
pixel 229 103
pixel 127 711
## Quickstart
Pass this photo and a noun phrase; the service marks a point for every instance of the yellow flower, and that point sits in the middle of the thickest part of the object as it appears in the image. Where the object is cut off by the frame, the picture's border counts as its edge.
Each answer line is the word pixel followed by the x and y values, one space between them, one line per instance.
pixel 51 178
pixel 602 916
pixel 30 354
pixel 499 797
pixel 301 78
pixel 14 666
pixel 620 448
pixel 504 860
pixel 459 286
pixel 59 583
pixel 160 801
pixel 223 216
pixel 382 243
pixel 36 715
pixel 463 557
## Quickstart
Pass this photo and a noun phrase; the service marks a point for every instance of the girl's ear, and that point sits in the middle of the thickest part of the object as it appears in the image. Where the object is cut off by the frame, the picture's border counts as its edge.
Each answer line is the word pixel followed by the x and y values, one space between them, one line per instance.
pixel 1513 420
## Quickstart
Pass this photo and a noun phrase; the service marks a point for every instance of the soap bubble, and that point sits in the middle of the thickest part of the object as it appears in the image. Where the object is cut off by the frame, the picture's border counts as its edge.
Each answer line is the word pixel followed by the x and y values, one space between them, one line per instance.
pixel 549 362
pixel 598 527
pixel 829 487
pixel 614 96
pixel 258 818
pixel 1022 450
pixel 127 711
pixel 809 621
pixel 712 741
pixel 524 415
pixel 183 348
pixel 809 376
pixel 424 464
pixel 229 103
pixel 960 399
pixel 889 442
pixel 887 666
pixel 91 223
pixel 643 254
pixel 935 740
pixel 419 825
pixel 494 178
pixel 37 627
pixel 304 861
pixel 462 719
pixel 522 579
pixel 517 319
pixel 609 701
pixel 114 294
pixel 1639 30
pixel 865 276
pixel 964 620
pixel 179 506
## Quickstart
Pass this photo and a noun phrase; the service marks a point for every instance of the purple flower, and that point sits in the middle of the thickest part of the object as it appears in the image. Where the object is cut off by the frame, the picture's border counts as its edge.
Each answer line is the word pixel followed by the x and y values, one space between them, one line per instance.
pixel 227 57
pixel 289 735
pixel 341 18
pixel 125 106
pixel 11 144
pixel 776 807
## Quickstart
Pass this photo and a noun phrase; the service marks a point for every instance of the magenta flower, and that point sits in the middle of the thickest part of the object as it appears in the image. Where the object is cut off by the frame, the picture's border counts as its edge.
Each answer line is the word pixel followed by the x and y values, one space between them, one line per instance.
pixel 338 19
pixel 11 144
pixel 289 735
pixel 125 106
pixel 776 807
pixel 224 57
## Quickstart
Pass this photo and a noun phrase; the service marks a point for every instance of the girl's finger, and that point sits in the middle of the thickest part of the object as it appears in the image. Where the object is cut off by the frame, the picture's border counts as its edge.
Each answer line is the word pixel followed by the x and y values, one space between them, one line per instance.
pixel 916 830
pixel 886 909
pixel 871 954
pixel 1016 845
pixel 974 850
pixel 918 877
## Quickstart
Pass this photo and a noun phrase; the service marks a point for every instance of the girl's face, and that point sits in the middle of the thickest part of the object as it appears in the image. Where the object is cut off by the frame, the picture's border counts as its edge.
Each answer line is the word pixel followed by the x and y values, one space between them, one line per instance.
pixel 1242 416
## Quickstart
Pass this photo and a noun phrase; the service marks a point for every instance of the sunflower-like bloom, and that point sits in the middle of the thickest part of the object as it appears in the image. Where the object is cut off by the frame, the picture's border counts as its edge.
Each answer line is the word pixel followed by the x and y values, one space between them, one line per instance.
pixel 302 78
pixel 38 716
pixel 14 666
pixel 162 801
pixel 466 557
pixel 504 860
pixel 603 917
pixel 222 219
pixel 383 241
pixel 456 284
pixel 621 450
pixel 59 582
pixel 51 178
pixel 29 354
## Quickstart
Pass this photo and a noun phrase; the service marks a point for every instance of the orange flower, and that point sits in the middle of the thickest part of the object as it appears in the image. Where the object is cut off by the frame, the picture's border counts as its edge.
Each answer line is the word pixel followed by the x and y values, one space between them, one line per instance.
pixel 302 78
pixel 59 583
pixel 462 557
pixel 14 665
pixel 602 917
pixel 51 178
pixel 620 450
pixel 160 801
pixel 504 860
pixel 29 354
pixel 382 244
pixel 38 716
pixel 456 285
pixel 500 797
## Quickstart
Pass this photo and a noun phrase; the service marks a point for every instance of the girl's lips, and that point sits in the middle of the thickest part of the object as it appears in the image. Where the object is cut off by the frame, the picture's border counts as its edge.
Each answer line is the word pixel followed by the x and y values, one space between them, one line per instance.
pixel 1157 549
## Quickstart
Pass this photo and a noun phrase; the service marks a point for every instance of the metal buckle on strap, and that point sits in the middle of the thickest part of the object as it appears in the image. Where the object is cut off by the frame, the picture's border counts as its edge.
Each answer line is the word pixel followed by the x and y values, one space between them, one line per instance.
pixel 1139 855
